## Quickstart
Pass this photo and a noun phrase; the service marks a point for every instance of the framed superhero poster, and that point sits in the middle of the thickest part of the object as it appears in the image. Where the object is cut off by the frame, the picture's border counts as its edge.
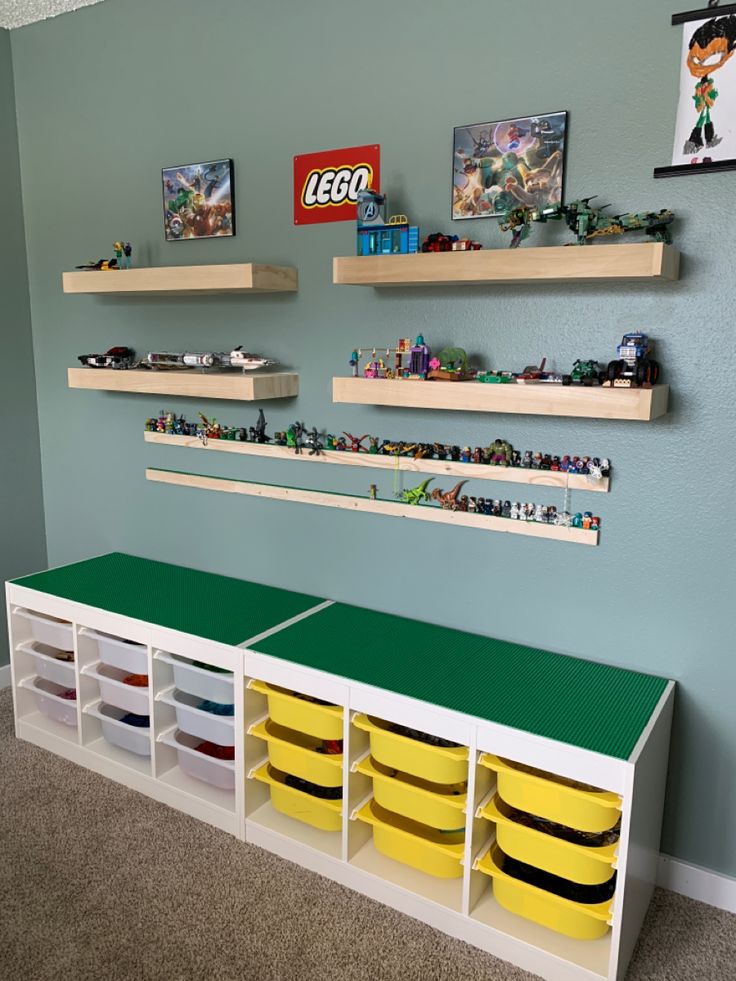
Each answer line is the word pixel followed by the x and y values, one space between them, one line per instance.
pixel 508 164
pixel 198 200
pixel 705 127
pixel 327 184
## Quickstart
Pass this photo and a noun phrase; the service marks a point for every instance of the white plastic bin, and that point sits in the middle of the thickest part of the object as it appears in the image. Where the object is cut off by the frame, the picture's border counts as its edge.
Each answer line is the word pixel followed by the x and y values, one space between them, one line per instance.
pixel 55 633
pixel 47 664
pixel 219 773
pixel 218 729
pixel 113 691
pixel 214 686
pixel 119 653
pixel 50 702
pixel 136 739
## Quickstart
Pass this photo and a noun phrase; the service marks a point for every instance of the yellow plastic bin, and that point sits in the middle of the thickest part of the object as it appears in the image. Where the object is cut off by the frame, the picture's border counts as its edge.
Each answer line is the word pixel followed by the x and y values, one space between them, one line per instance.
pixel 295 752
pixel 288 709
pixel 577 920
pixel 588 865
pixel 414 844
pixel 438 764
pixel 439 805
pixel 554 798
pixel 323 814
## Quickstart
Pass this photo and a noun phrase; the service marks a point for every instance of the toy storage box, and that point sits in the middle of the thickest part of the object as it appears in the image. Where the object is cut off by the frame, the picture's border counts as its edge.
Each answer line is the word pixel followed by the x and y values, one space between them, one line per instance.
pixel 289 659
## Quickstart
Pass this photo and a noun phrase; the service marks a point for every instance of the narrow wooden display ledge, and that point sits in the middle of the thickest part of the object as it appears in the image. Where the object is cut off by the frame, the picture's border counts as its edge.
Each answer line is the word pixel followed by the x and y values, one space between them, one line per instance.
pixel 345 502
pixel 624 260
pixel 579 401
pixel 475 471
pixel 236 277
pixel 248 387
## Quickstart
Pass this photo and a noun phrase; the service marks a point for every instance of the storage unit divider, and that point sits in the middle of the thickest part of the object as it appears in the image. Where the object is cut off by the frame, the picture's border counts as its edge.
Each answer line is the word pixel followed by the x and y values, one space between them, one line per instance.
pixel 394 782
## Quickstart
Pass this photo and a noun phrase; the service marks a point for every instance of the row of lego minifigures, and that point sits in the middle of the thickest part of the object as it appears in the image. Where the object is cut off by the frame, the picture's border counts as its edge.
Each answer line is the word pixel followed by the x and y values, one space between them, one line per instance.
pixel 499 453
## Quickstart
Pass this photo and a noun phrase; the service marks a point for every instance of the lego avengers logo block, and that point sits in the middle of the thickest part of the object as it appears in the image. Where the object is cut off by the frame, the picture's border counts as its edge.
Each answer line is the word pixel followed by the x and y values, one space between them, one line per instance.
pixel 327 184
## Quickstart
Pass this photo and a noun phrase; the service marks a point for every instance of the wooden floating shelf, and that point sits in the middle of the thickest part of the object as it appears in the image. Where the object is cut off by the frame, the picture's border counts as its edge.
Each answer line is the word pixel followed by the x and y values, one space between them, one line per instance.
pixel 641 260
pixel 248 387
pixel 236 277
pixel 474 471
pixel 345 502
pixel 579 401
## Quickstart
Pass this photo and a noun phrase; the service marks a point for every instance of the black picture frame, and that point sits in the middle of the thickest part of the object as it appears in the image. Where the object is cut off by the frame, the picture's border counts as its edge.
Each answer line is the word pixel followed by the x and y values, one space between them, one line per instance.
pixel 213 181
pixel 492 212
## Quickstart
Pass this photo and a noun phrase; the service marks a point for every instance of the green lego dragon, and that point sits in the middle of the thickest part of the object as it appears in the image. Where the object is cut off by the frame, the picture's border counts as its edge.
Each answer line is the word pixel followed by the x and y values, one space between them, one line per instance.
pixel 587 222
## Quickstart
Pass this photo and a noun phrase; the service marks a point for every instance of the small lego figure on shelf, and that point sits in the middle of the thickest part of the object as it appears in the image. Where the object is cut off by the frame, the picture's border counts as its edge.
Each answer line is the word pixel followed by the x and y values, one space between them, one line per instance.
pixel 123 252
pixel 500 453
pixel 295 437
pixel 314 441
pixel 419 357
pixel 259 429
pixel 373 492
pixel 354 363
pixel 356 442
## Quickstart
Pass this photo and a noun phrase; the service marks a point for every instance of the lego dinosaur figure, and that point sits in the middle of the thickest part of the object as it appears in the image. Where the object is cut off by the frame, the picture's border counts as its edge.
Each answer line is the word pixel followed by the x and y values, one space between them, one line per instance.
pixel 415 495
pixel 448 499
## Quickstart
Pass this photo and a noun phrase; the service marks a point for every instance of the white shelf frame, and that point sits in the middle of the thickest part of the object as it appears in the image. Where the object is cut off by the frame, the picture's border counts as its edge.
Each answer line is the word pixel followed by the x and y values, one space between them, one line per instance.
pixel 475 918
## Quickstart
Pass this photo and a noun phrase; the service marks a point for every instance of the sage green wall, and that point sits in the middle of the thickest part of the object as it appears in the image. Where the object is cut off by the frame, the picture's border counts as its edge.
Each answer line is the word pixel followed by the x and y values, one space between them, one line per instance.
pixel 22 539
pixel 139 85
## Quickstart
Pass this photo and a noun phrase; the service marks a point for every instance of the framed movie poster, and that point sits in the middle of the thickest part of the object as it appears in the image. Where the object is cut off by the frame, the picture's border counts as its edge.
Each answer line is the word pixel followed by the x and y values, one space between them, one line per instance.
pixel 199 200
pixel 705 126
pixel 507 164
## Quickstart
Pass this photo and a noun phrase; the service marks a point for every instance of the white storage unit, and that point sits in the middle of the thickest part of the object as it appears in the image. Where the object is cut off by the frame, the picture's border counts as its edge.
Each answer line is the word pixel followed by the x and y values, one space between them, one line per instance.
pixel 219 791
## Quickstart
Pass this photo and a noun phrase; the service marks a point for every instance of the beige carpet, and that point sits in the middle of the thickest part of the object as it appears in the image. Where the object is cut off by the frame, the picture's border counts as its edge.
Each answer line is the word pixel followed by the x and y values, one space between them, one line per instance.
pixel 102 884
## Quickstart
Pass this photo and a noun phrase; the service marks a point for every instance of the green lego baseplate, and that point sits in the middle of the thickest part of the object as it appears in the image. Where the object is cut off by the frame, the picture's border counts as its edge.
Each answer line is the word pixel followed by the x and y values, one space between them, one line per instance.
pixel 217 608
pixel 594 706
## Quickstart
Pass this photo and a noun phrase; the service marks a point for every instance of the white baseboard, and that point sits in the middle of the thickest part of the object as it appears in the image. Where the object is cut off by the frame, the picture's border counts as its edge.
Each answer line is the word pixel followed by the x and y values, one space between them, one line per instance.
pixel 5 676
pixel 697 883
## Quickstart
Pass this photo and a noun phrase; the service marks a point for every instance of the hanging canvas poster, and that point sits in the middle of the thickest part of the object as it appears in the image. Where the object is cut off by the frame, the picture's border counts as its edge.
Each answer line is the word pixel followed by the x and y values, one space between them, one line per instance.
pixel 705 127
pixel 506 164
pixel 326 184
pixel 198 200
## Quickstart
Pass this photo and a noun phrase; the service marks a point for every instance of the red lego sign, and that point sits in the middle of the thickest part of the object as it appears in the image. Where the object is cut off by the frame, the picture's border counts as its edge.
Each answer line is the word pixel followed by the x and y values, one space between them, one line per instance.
pixel 326 184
